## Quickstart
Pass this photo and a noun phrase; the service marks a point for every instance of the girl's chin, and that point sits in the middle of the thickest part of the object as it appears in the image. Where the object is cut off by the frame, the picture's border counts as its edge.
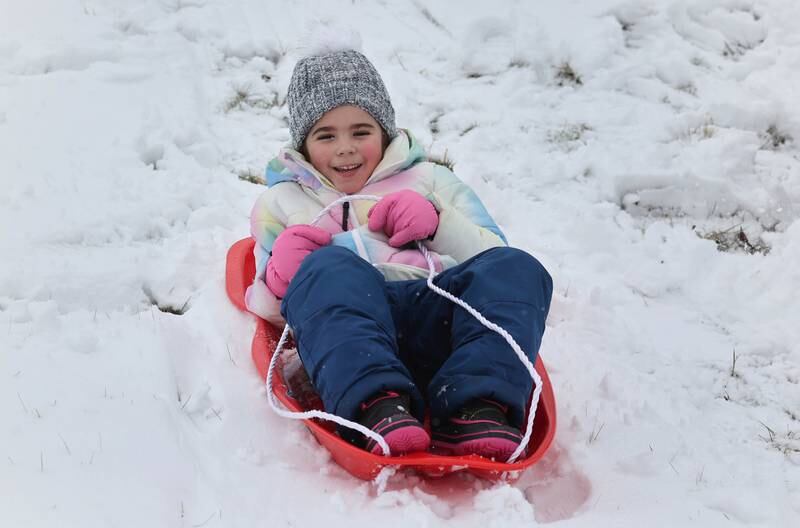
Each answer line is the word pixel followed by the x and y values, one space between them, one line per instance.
pixel 349 185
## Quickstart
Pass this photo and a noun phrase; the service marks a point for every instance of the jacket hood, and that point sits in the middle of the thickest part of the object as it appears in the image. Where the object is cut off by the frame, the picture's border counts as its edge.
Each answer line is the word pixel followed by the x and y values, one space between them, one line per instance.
pixel 290 165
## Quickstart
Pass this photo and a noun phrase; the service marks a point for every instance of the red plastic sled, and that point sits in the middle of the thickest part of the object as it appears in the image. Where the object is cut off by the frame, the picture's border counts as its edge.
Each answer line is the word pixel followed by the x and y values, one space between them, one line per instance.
pixel 240 269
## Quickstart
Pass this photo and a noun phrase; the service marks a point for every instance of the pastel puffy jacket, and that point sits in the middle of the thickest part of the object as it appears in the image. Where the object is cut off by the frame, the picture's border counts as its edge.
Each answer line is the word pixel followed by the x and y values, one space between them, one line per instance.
pixel 297 193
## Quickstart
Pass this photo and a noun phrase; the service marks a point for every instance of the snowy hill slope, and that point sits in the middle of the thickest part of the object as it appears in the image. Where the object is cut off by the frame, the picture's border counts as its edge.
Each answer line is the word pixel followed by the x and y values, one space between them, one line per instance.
pixel 620 142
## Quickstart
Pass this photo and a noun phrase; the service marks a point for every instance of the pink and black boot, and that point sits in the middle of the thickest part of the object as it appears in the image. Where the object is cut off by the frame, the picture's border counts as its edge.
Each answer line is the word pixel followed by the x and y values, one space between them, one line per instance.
pixel 387 413
pixel 480 427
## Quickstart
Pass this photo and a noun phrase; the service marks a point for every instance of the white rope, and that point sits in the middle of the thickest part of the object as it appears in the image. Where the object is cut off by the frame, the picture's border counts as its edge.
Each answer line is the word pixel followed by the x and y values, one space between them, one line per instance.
pixel 278 349
pixel 306 415
pixel 510 340
pixel 431 274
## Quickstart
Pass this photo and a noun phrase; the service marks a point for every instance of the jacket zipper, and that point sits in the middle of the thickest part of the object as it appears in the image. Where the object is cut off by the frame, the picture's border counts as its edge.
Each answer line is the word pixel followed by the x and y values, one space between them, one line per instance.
pixel 345 215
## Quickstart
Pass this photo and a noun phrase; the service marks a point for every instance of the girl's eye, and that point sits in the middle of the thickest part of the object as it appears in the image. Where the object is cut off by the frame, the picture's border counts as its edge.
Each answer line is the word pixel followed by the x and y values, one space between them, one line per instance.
pixel 323 137
pixel 361 133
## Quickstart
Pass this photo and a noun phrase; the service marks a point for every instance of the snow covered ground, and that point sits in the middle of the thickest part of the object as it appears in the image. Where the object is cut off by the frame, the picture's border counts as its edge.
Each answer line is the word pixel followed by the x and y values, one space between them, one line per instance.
pixel 621 142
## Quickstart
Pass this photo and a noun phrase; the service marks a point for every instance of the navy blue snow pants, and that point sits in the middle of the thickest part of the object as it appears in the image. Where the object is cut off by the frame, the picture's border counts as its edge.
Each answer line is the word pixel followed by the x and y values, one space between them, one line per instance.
pixel 358 334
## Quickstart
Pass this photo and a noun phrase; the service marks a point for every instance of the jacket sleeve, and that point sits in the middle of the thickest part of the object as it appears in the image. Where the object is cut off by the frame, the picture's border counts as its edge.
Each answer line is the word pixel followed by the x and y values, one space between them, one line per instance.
pixel 465 226
pixel 265 226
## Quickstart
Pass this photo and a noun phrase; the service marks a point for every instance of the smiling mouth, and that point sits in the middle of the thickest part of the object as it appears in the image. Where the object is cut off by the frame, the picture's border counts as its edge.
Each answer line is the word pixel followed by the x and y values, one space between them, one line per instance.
pixel 347 168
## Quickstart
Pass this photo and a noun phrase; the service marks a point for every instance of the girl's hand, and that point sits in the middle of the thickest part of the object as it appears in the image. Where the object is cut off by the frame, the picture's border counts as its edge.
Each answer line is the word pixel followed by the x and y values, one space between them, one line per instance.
pixel 404 216
pixel 290 248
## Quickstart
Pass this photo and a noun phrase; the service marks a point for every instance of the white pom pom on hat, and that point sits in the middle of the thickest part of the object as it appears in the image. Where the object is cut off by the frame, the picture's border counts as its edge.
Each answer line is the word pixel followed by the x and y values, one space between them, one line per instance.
pixel 326 36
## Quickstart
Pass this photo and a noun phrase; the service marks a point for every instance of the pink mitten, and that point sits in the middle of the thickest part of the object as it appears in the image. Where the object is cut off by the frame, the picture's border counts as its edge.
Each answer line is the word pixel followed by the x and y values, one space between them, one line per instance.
pixel 404 216
pixel 290 248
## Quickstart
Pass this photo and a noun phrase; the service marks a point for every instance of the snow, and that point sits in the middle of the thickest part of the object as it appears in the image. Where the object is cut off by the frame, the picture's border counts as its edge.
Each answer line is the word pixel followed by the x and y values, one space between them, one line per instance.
pixel 612 139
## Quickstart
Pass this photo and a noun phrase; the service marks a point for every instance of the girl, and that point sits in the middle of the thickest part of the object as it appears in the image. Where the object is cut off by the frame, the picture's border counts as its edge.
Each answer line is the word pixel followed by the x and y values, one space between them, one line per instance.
pixel 378 345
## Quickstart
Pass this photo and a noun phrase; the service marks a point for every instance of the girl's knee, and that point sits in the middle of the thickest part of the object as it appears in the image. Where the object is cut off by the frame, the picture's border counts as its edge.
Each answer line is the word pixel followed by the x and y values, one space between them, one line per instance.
pixel 519 264
pixel 512 256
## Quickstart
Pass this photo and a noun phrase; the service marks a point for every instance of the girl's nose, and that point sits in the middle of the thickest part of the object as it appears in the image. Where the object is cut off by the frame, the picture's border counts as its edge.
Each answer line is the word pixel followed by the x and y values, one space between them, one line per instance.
pixel 345 147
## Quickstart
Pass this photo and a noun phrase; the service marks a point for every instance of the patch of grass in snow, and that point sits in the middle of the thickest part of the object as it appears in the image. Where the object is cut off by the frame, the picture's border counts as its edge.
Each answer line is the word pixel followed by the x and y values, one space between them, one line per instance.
pixel 568 134
pixel 629 18
pixel 164 306
pixel 470 128
pixel 433 124
pixel 243 96
pixel 239 98
pixel 632 203
pixel 773 138
pixel 567 76
pixel 731 239
pixel 427 15
pixel 596 430
pixel 519 62
pixel 251 176
pixel 735 50
pixel 787 443
pixel 704 131
pixel 734 374
pixel 688 88
pixel 443 160
pixel 625 25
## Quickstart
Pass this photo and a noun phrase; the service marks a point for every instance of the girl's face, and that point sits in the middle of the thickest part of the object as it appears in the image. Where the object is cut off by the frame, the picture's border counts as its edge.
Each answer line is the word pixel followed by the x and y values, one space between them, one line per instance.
pixel 345 145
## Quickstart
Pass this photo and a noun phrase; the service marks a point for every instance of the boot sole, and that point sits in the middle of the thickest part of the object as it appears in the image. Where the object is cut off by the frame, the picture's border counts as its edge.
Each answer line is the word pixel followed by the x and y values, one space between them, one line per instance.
pixel 405 440
pixel 499 449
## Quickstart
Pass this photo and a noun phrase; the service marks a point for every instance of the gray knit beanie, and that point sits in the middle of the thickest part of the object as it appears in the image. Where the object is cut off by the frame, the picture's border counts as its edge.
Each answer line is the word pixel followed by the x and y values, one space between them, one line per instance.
pixel 323 82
